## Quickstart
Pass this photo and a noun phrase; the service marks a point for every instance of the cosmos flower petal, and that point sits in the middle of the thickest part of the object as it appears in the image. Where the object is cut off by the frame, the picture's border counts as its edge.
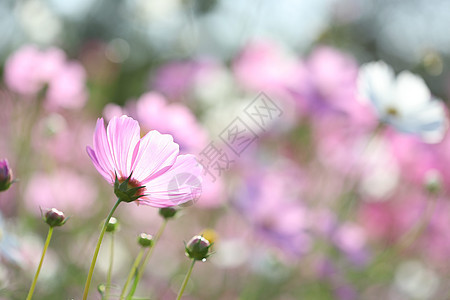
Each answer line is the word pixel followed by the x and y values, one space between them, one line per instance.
pixel 181 183
pixel 404 102
pixel 375 82
pixel 102 150
pixel 105 173
pixel 123 134
pixel 411 93
pixel 433 122
pixel 156 154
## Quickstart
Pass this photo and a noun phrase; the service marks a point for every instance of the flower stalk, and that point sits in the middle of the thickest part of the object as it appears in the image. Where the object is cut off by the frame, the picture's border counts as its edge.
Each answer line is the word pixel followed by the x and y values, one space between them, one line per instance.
pixel 47 242
pixel 186 279
pixel 132 272
pixel 97 248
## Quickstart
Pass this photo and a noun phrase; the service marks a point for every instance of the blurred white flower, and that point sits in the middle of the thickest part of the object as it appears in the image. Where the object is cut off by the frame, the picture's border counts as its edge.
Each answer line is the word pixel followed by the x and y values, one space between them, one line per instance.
pixel 405 102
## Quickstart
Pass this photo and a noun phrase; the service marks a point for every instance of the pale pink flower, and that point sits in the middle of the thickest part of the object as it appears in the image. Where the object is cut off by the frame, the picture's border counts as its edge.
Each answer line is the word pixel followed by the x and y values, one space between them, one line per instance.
pixel 64 188
pixel 266 66
pixel 152 161
pixel 67 89
pixel 29 70
pixel 153 112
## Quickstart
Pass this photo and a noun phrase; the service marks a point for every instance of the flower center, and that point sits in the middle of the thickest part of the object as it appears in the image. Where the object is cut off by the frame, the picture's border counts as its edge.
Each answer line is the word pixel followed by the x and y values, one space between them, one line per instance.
pixel 392 111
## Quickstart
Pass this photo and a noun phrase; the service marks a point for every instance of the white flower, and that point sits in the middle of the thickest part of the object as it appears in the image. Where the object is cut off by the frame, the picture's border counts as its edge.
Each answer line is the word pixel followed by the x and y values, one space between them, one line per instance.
pixel 404 102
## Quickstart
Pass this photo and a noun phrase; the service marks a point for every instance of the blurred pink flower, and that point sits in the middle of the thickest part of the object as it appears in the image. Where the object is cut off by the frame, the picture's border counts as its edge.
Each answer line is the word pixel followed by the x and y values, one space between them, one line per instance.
pixel 351 240
pixel 407 148
pixel 390 221
pixel 176 79
pixel 62 138
pixel 67 89
pixel 152 161
pixel 331 86
pixel 154 113
pixel 65 189
pixel 265 66
pixel 29 69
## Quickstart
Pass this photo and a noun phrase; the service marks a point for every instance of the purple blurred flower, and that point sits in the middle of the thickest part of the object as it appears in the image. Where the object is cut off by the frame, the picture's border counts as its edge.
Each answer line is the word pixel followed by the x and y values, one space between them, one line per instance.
pixel 6 175
pixel 273 208
pixel 176 79
pixel 330 86
pixel 351 240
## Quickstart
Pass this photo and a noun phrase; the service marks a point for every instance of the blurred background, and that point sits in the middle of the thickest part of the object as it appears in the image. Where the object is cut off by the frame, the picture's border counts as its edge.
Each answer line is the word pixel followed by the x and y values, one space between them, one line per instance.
pixel 318 203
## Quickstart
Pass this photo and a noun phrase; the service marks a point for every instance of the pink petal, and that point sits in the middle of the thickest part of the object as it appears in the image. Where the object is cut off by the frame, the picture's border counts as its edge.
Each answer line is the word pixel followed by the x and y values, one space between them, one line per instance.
pixel 123 135
pixel 105 173
pixel 181 183
pixel 102 151
pixel 155 155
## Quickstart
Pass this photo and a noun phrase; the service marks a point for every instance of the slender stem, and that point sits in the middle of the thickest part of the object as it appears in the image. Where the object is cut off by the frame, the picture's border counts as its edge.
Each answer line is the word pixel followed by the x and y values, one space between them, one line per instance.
pixel 149 254
pixel 97 248
pixel 47 242
pixel 186 279
pixel 111 261
pixel 133 289
pixel 132 272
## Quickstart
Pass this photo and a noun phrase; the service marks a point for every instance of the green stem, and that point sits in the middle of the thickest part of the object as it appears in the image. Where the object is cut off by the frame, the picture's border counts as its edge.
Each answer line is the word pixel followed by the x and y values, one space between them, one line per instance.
pixel 111 261
pixel 47 242
pixel 186 279
pixel 97 248
pixel 132 273
pixel 133 289
pixel 148 255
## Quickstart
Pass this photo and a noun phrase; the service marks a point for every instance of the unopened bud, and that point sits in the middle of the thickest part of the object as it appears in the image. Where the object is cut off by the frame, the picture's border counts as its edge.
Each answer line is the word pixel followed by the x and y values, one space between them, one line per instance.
pixel 198 248
pixel 168 212
pixel 5 175
pixel 433 182
pixel 54 217
pixel 113 225
pixel 145 240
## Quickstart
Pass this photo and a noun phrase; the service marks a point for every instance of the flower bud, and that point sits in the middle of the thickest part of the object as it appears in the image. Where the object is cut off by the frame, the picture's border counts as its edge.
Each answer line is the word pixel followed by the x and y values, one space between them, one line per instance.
pixel 101 288
pixel 54 217
pixel 113 225
pixel 145 240
pixel 198 248
pixel 433 182
pixel 168 212
pixel 5 175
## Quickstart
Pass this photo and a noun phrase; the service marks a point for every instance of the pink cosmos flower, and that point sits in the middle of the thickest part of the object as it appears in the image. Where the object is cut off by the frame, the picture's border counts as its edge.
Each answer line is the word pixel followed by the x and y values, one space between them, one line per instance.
pixel 151 162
